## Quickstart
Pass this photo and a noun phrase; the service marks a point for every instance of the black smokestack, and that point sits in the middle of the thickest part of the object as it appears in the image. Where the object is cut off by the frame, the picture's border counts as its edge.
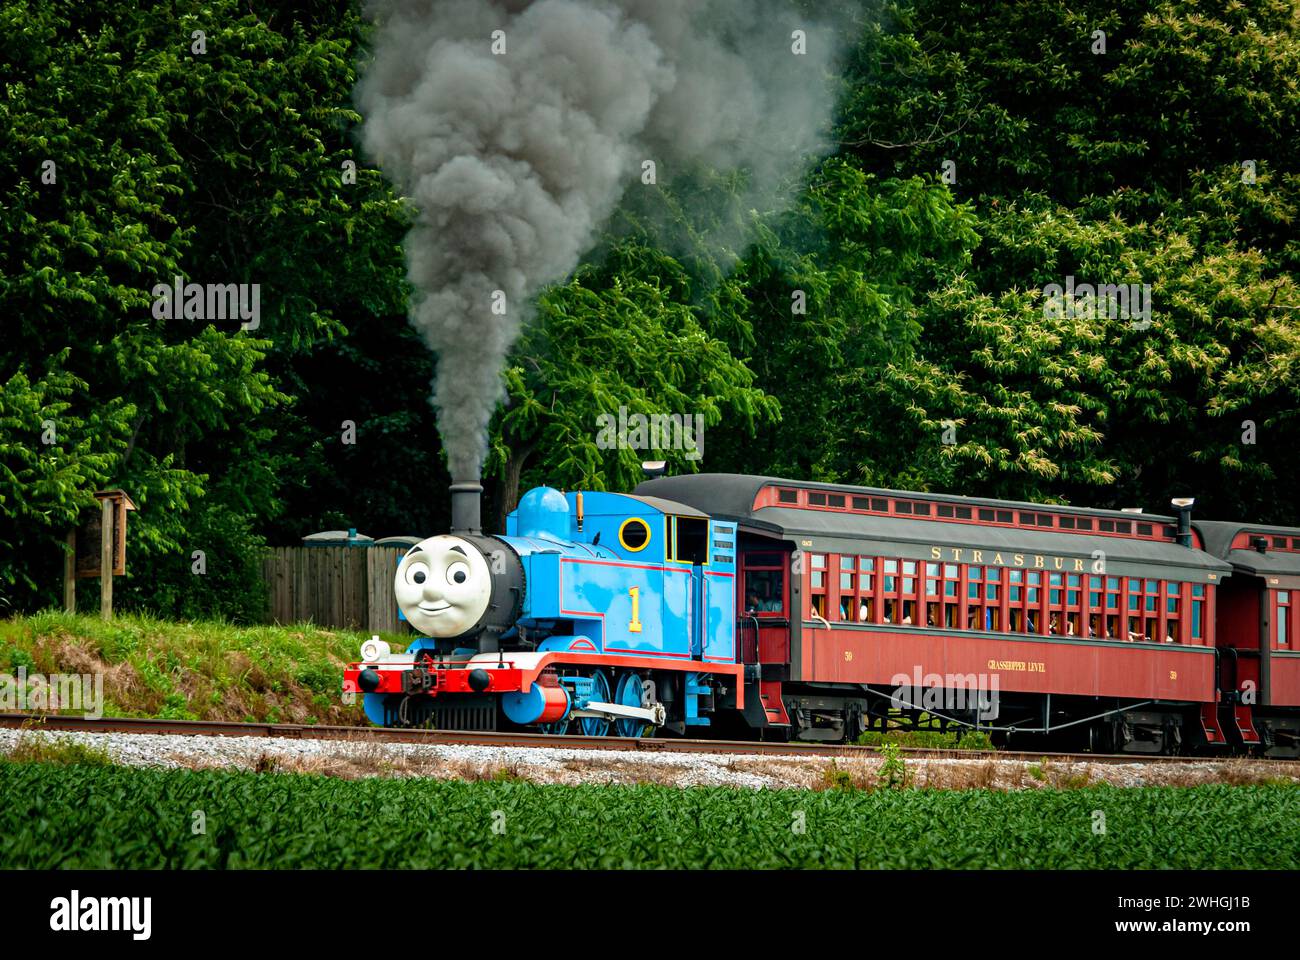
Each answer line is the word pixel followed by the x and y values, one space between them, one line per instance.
pixel 465 508
pixel 1184 507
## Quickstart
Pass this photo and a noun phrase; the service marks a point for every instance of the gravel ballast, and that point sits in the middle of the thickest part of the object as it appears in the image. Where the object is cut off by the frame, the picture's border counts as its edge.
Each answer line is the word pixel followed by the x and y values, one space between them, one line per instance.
pixel 354 759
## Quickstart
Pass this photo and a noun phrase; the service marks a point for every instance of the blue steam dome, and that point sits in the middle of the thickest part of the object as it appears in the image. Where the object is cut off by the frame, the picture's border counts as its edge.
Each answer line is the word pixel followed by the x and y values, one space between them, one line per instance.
pixel 544 512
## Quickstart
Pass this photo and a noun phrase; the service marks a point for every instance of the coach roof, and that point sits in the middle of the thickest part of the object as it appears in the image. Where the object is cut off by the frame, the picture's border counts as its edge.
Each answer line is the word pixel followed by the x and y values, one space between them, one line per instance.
pixel 731 496
pixel 1219 534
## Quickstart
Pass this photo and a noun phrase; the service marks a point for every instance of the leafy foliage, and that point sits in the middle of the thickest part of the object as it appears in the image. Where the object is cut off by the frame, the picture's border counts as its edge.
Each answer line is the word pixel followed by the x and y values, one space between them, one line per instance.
pixel 119 818
pixel 876 322
pixel 136 159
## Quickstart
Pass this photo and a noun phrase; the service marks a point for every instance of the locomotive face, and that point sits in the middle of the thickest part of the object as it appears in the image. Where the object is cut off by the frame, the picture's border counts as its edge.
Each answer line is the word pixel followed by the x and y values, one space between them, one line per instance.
pixel 443 586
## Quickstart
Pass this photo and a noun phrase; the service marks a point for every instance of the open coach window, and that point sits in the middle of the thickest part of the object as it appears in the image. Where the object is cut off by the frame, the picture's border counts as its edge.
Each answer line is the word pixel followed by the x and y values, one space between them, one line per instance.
pixel 765 584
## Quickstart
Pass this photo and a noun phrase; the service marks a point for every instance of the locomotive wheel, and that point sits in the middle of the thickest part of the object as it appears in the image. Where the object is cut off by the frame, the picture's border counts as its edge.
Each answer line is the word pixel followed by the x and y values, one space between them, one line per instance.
pixel 597 726
pixel 629 695
pixel 557 729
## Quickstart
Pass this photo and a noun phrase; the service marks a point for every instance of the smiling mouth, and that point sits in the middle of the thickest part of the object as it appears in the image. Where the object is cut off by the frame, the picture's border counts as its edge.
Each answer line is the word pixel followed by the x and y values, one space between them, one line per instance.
pixel 434 608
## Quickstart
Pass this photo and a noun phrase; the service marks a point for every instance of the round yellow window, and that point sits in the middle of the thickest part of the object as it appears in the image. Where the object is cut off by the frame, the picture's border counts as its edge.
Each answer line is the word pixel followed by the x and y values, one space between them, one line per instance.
pixel 634 534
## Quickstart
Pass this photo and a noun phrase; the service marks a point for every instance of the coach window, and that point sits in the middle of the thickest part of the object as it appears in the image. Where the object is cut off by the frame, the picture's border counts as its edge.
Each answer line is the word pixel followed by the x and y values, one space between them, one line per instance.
pixel 1055 604
pixel 1016 601
pixel 1198 611
pixel 848 589
pixel 909 592
pixel 1096 604
pixel 1033 602
pixel 992 599
pixel 1073 611
pixel 817 583
pixel 1133 629
pixel 1112 608
pixel 1173 625
pixel 1283 615
pixel 1151 611
pixel 933 610
pixel 765 584
pixel 975 598
pixel 889 591
pixel 951 594
pixel 866 589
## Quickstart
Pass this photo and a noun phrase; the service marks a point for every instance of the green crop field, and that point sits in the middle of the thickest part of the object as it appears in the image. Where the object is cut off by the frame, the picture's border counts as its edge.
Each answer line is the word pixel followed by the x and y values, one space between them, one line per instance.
pixel 91 816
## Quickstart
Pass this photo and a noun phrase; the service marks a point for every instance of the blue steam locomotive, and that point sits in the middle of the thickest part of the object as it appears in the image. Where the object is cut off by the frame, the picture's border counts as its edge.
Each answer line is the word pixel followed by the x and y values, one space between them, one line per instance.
pixel 595 612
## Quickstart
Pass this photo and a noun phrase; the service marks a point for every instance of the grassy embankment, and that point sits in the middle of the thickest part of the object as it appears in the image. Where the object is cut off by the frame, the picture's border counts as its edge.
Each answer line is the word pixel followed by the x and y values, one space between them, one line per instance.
pixel 202 671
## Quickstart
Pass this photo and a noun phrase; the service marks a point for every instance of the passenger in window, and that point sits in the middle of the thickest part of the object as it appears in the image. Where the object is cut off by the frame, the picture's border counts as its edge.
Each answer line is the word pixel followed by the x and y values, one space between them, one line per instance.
pixel 751 602
pixel 864 612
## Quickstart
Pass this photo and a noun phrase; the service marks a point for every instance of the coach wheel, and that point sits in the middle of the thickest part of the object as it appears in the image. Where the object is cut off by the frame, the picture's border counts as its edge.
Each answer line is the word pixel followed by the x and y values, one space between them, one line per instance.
pixel 629 695
pixel 597 726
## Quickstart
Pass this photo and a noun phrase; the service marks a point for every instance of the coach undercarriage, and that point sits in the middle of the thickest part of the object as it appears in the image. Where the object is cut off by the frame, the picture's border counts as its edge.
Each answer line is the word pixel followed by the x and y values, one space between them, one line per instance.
pixel 1027 721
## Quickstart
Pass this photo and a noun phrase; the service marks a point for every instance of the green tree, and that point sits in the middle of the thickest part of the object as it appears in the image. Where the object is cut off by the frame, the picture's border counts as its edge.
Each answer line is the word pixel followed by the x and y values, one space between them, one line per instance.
pixel 135 158
pixel 624 334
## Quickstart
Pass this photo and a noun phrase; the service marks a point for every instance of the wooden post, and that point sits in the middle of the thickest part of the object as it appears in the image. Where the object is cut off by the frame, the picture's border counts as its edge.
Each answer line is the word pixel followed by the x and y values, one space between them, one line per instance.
pixel 106 559
pixel 70 574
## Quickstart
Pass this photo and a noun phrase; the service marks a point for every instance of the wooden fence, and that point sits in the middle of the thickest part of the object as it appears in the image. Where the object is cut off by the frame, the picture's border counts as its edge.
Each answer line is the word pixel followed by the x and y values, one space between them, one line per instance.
pixel 341 587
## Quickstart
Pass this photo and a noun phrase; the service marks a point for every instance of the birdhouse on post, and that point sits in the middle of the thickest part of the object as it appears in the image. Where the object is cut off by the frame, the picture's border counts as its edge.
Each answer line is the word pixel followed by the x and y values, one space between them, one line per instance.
pixel 98 549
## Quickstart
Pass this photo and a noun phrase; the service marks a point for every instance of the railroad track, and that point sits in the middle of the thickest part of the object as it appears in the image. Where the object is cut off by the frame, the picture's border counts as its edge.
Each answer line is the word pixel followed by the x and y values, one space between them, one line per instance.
pixel 225 728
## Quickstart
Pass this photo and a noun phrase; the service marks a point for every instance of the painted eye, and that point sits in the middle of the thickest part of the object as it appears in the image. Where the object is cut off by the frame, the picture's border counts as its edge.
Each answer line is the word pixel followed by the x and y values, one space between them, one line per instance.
pixel 458 572
pixel 417 573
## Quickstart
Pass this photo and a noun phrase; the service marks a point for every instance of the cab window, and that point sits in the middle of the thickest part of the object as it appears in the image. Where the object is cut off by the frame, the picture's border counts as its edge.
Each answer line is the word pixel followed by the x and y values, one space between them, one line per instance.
pixel 688 539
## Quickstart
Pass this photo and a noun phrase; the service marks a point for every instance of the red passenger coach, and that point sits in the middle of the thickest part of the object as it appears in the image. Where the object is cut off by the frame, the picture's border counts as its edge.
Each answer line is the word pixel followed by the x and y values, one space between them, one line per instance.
pixel 1259 666
pixel 862 608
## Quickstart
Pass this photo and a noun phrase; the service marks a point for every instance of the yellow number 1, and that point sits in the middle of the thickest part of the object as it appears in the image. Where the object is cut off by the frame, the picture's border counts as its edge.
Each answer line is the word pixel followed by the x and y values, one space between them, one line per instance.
pixel 635 625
